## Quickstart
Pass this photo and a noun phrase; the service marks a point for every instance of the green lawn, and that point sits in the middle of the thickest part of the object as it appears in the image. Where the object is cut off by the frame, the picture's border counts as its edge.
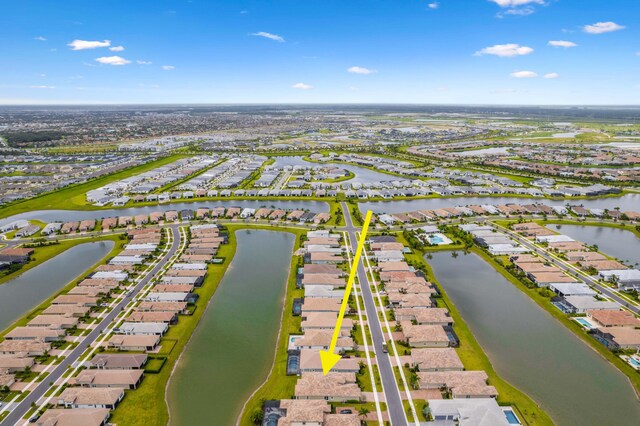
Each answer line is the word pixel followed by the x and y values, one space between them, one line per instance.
pixel 364 379
pixel 474 358
pixel 278 385
pixel 146 405
pixel 42 254
pixel 545 303
pixel 29 316
pixel 73 197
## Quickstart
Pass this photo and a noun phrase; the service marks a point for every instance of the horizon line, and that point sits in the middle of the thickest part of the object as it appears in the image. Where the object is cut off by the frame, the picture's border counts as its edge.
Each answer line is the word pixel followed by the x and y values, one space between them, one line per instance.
pixel 312 104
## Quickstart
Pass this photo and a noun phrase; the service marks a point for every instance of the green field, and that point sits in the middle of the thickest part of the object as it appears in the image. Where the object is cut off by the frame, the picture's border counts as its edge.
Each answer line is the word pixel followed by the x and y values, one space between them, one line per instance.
pixel 116 249
pixel 545 303
pixel 474 358
pixel 146 405
pixel 73 197
pixel 42 254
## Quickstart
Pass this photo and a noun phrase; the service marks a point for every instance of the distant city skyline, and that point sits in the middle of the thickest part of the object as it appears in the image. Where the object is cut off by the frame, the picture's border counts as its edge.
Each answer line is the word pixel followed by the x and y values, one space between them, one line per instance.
pixel 548 52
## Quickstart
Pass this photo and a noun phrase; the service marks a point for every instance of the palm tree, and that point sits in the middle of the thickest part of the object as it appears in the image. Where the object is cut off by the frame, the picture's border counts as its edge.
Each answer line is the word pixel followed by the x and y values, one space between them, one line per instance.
pixel 363 412
pixel 414 381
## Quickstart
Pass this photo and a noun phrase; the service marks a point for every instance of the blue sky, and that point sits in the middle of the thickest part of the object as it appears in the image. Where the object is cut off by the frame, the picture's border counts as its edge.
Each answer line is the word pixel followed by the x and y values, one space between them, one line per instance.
pixel 321 51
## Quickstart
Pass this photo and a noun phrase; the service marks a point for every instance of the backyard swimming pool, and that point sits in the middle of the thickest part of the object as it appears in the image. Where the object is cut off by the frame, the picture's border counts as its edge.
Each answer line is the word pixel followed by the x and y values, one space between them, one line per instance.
pixel 297 307
pixel 292 340
pixel 293 363
pixel 512 419
pixel 435 239
pixel 632 360
pixel 438 239
pixel 584 322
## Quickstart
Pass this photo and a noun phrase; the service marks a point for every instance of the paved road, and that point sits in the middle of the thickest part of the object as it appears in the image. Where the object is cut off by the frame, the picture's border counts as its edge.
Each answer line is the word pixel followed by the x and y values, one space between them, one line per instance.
pixel 394 403
pixel 562 265
pixel 23 406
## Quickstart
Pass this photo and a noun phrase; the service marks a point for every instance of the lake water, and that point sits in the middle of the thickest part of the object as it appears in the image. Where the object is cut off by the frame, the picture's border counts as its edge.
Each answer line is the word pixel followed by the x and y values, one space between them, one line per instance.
pixel 362 175
pixel 614 242
pixel 231 352
pixel 532 350
pixel 565 135
pixel 68 215
pixel 19 295
pixel 482 152
pixel 625 202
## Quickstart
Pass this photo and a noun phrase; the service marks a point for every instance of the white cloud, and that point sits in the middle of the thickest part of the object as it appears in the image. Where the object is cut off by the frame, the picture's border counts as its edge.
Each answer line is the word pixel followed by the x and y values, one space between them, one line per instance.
pixel 516 3
pixel 270 36
pixel 552 75
pixel 302 86
pixel 433 5
pixel 505 50
pixel 40 38
pixel 116 48
pixel 168 67
pixel 524 74
pixel 113 60
pixel 84 44
pixel 562 43
pixel 523 11
pixel 517 7
pixel 360 70
pixel 139 62
pixel 602 27
pixel 43 87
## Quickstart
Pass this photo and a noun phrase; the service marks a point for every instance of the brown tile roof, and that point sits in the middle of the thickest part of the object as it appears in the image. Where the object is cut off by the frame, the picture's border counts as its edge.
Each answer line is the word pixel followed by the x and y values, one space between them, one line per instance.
pixel 298 411
pixel 322 338
pixel 96 377
pixel 423 334
pixel 77 417
pixel 433 359
pixel 611 318
pixel 333 385
pixel 90 396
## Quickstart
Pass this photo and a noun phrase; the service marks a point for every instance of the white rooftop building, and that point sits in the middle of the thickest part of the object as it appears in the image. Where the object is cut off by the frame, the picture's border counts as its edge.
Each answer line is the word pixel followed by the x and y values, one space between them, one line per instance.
pixel 468 412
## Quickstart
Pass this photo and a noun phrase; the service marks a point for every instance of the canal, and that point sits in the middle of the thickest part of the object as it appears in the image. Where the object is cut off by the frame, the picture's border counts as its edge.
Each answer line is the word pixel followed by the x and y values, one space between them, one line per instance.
pixel 615 242
pixel 362 174
pixel 68 215
pixel 532 350
pixel 231 352
pixel 36 285
pixel 625 202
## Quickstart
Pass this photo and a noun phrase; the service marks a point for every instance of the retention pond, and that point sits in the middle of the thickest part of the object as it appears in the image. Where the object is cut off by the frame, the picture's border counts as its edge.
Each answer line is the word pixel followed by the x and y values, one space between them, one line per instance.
pixel 231 352
pixel 532 350
pixel 41 282
pixel 615 242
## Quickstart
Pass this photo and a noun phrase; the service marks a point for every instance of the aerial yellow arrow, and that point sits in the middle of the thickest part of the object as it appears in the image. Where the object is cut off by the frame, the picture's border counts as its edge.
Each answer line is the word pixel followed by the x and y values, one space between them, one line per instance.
pixel 329 358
